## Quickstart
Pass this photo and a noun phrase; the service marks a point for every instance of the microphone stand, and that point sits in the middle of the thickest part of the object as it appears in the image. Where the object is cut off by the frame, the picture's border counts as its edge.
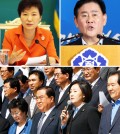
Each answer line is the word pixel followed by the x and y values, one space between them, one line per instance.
pixel 47 57
pixel 74 36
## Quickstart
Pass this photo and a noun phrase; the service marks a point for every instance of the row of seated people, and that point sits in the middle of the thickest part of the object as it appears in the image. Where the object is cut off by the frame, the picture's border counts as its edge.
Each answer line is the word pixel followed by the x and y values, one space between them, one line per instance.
pixel 50 101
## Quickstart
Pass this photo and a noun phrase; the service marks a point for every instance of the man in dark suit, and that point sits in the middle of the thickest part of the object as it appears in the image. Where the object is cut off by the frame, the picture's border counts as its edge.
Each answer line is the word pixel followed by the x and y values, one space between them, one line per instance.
pixel 45 98
pixel 11 90
pixel 5 72
pixel 50 81
pixel 90 17
pixel 4 123
pixel 63 77
pixel 110 119
pixel 36 80
pixel 91 74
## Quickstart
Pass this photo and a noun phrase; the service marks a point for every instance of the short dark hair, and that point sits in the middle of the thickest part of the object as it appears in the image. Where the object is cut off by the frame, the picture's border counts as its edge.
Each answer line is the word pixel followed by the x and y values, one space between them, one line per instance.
pixel 80 3
pixel 19 103
pixel 13 83
pixel 28 4
pixel 65 70
pixel 22 78
pixel 85 88
pixel 115 73
pixel 49 91
pixel 39 73
pixel 10 69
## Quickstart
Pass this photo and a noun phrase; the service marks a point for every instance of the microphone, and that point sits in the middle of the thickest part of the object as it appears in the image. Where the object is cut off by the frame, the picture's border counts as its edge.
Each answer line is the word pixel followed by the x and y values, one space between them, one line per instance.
pixel 69 102
pixel 47 57
pixel 74 36
pixel 104 37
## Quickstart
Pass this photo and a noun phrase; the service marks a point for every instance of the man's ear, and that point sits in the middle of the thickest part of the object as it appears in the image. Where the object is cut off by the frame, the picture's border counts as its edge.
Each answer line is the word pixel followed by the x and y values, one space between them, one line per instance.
pixel 104 19
pixel 75 21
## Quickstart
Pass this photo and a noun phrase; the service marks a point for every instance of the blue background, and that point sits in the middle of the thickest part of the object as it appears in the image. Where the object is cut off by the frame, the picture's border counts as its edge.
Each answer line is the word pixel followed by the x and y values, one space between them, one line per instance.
pixel 68 28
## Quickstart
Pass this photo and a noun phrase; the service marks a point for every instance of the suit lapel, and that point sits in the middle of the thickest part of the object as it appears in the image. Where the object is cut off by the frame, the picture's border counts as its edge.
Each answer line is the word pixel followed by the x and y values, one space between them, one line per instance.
pixel 95 87
pixel 117 116
pixel 49 119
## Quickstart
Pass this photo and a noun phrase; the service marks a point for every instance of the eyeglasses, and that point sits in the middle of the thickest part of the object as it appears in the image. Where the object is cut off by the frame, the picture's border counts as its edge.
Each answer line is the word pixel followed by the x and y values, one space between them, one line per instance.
pixel 3 71
pixel 6 88
pixel 15 114
pixel 57 74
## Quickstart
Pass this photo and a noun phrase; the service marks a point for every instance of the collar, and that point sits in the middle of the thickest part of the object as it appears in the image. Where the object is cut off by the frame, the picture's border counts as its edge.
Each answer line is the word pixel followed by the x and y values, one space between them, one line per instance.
pixel 116 103
pixel 99 43
pixel 49 111
pixel 64 89
pixel 79 107
pixel 94 82
pixel 78 73
pixel 50 79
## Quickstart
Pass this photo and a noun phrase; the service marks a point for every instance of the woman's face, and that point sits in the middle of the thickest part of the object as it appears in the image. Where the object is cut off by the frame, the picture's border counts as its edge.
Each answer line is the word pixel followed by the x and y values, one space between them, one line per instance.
pixel 19 116
pixel 76 95
pixel 30 18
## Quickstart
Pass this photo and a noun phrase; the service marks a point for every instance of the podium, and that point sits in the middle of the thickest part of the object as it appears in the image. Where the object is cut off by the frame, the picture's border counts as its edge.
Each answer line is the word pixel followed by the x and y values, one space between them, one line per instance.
pixel 111 52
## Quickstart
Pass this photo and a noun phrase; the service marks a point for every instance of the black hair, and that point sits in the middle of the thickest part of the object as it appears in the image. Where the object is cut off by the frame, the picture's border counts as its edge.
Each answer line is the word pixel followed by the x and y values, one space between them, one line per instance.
pixel 13 83
pixel 85 88
pixel 22 78
pixel 19 103
pixel 80 3
pixel 28 4
pixel 68 70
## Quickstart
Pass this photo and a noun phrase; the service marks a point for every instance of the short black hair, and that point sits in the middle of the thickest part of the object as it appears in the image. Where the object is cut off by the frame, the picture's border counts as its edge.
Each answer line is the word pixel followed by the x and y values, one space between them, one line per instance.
pixel 13 83
pixel 80 3
pixel 49 91
pixel 115 73
pixel 10 69
pixel 19 103
pixel 65 70
pixel 28 4
pixel 40 75
pixel 85 88
pixel 22 78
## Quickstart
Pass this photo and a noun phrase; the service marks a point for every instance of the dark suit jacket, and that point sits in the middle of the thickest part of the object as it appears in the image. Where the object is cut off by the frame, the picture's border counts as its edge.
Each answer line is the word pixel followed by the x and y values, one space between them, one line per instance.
pixel 36 110
pixel 4 110
pixel 101 85
pixel 105 123
pixel 4 125
pixel 105 71
pixel 106 41
pixel 50 126
pixel 86 121
pixel 63 102
pixel 52 84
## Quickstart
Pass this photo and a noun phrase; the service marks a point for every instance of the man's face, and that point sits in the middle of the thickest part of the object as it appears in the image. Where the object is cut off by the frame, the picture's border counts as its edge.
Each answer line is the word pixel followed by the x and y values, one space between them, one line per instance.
pixel 34 82
pixel 91 73
pixel 113 87
pixel 44 102
pixel 49 70
pixel 5 73
pixel 60 78
pixel 8 91
pixel 90 20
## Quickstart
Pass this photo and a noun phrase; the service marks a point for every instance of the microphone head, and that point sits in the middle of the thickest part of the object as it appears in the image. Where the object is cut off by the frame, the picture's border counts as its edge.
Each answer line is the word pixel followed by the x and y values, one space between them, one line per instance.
pixel 69 102
pixel 99 36
pixel 37 41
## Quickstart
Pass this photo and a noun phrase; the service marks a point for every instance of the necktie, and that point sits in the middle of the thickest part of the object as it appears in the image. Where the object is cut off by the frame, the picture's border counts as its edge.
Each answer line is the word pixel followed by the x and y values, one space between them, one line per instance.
pixel 75 112
pixel 40 123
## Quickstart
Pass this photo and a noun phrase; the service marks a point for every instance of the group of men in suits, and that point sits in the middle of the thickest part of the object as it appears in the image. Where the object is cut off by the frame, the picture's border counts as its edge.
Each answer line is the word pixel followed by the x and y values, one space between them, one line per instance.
pixel 58 81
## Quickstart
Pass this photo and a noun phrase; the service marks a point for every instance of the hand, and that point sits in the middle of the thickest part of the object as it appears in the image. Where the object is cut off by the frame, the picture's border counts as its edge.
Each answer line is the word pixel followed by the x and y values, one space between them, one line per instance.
pixel 100 108
pixel 64 116
pixel 16 55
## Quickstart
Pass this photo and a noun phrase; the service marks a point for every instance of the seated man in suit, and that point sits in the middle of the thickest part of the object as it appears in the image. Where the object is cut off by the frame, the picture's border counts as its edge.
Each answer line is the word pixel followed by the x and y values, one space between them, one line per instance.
pixel 110 119
pixel 91 74
pixel 47 120
pixel 90 18
pixel 4 123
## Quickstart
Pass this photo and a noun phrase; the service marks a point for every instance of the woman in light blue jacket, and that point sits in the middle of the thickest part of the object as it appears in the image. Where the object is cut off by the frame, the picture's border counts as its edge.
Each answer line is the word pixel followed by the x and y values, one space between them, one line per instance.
pixel 18 109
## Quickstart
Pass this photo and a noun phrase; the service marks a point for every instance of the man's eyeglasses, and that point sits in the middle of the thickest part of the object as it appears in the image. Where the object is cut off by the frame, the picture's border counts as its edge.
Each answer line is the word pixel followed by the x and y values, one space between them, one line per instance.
pixel 57 74
pixel 87 69
pixel 3 71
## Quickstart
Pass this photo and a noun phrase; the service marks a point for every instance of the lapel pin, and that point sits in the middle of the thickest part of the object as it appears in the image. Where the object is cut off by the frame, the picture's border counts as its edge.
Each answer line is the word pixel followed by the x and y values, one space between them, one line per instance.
pixel 42 37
